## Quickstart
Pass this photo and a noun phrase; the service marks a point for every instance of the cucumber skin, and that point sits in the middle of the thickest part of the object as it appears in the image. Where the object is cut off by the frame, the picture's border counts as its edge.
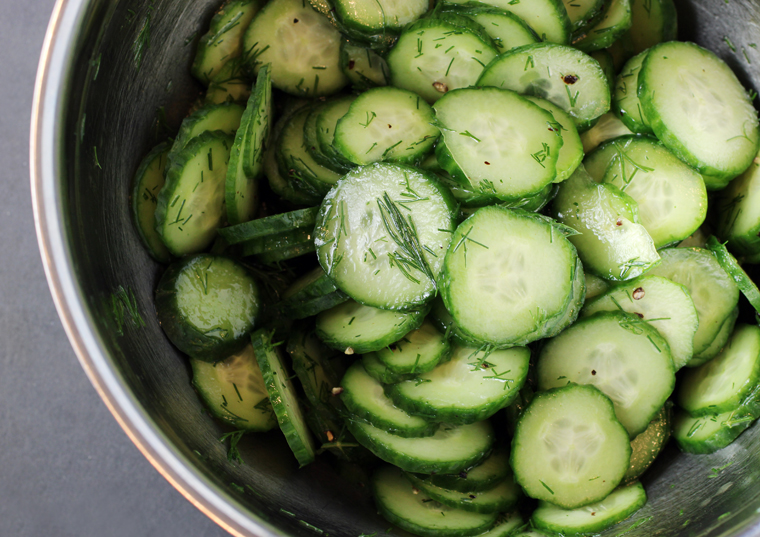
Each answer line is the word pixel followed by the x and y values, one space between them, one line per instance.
pixel 642 458
pixel 461 484
pixel 503 505
pixel 159 252
pixel 186 338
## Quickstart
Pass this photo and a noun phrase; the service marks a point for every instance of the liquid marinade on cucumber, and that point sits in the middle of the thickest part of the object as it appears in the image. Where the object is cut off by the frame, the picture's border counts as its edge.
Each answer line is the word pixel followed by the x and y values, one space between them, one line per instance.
pixel 463 245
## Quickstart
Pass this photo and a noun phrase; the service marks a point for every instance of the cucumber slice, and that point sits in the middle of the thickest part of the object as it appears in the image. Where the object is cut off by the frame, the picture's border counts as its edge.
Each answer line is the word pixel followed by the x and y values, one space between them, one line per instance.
pixel 607 64
pixel 386 124
pixel 233 390
pixel 148 181
pixel 594 518
pixel 729 264
pixel 445 324
pixel 724 382
pixel 497 142
pixel 625 97
pixel 434 56
pixel 738 208
pixel 582 11
pixel 302 46
pixel 207 306
pixel 364 67
pixel 191 204
pixel 298 239
pixel 607 128
pixel 230 84
pixel 653 22
pixel 270 225
pixel 318 367
pixel 595 286
pixel 353 328
pixel 663 304
pixel 620 354
pixel 710 433
pixel 417 352
pixel 381 233
pixel 283 397
pixel 365 400
pixel 726 329
pixel 486 475
pixel 508 277
pixel 501 497
pixel 379 16
pixel 547 17
pixel 247 155
pixel 614 22
pixel 296 162
pixel 647 446
pixel 379 371
pixel 507 30
pixel 571 153
pixel 568 448
pixel 699 110
pixel 610 242
pixel 326 122
pixel 713 292
pixel 450 450
pixel 563 75
pixel 223 117
pixel 311 287
pixel 224 39
pixel 470 387
pixel 671 197
pixel 403 505
pixel 505 525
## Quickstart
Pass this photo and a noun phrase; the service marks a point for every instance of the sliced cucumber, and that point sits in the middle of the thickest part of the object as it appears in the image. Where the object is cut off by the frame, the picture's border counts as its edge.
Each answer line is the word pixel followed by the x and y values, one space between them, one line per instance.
pixel 302 46
pixel 507 30
pixel 353 328
pixel 600 34
pixel 497 499
pixel 595 286
pixel 487 474
pixel 381 235
pixel 607 128
pixel 365 400
pixel 279 247
pixel 563 75
pixel 497 142
pixel 224 39
pixel 699 110
pixel 326 122
pixel 625 98
pixel 234 391
pixel 450 450
pixel 653 22
pixel 582 11
pixel 270 225
pixel 403 505
pixel 386 124
pixel 364 67
pixel 223 117
pixel 417 352
pixel 726 329
pixel 610 242
pixel 729 264
pixel 568 448
pixel 191 203
pixel 713 292
pixel 724 382
pixel 434 56
pixel 738 208
pixel 620 354
pixel 283 397
pixel 647 446
pixel 297 193
pixel 505 525
pixel 469 387
pixel 379 371
pixel 445 324
pixel 593 518
pixel 207 306
pixel 231 84
pixel 247 155
pixel 149 179
pixel 379 16
pixel 508 277
pixel 301 298
pixel 664 304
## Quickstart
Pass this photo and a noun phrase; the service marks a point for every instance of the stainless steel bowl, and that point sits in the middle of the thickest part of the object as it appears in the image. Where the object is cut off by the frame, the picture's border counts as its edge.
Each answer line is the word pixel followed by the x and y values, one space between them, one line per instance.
pixel 106 70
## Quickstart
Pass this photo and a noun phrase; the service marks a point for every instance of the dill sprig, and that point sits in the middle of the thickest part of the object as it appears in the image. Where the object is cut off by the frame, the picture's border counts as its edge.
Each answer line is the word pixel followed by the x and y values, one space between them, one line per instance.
pixel 233 455
pixel 408 256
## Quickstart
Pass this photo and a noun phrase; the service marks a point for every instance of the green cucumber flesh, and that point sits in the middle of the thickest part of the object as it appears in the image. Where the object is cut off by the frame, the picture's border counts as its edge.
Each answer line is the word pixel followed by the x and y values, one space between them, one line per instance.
pixel 488 473
pixel 270 225
pixel 417 352
pixel 497 499
pixel 149 179
pixel 647 446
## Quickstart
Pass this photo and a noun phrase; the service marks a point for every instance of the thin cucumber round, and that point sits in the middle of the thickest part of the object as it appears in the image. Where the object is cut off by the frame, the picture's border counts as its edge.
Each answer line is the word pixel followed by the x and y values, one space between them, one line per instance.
pixel 207 306
pixel 417 352
pixel 379 371
pixel 223 117
pixel 297 193
pixel 708 434
pixel 364 67
pixel 149 179
pixel 403 505
pixel 507 30
pixel 582 11
pixel 487 474
pixel 738 208
pixel 353 328
pixel 653 22
pixel 326 122
pixel 283 397
pixel 569 448
pixel 647 446
pixel 497 499
pixel 594 518
pixel 724 382
pixel 234 391
pixel 231 84
pixel 311 294
pixel 625 97
pixel 731 266
pixel 608 127
pixel 622 356
pixel 602 32
pixel 469 387
pixel 377 16
pixel 270 225
pixel 365 400
pixel 726 329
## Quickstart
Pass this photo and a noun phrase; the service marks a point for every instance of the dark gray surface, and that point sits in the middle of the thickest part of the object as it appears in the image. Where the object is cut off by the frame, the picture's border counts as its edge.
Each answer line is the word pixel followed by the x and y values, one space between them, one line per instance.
pixel 66 468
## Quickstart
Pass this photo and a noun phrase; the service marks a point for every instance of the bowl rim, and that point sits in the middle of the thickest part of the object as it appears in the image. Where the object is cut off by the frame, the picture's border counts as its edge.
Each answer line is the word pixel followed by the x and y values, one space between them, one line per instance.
pixel 46 157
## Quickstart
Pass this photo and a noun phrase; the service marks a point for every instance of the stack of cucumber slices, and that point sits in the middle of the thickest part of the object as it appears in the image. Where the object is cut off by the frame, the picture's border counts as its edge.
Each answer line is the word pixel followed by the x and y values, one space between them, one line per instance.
pixel 464 244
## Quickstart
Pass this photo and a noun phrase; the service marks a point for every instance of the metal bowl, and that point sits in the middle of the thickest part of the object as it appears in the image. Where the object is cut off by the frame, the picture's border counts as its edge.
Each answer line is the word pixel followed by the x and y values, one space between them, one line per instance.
pixel 108 70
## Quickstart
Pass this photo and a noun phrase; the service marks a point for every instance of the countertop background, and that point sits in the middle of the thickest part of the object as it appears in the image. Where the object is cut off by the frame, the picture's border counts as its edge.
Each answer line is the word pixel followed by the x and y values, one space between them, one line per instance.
pixel 66 468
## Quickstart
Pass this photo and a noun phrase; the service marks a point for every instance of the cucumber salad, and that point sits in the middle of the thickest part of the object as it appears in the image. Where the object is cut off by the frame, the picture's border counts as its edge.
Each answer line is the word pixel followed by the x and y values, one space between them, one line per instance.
pixel 466 246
